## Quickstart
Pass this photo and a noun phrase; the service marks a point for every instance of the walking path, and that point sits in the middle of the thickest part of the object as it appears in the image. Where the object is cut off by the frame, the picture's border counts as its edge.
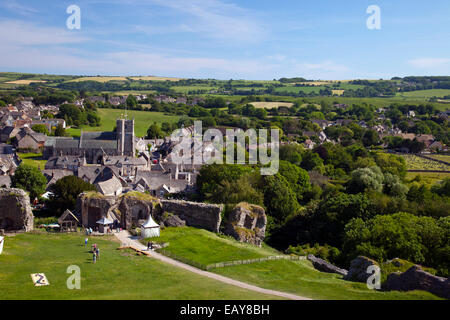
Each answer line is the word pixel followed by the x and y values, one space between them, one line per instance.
pixel 128 240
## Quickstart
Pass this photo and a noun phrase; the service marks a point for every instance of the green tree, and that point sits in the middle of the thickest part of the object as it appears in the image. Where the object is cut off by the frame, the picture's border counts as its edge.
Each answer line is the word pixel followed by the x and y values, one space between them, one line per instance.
pixel 41 128
pixel 366 179
pixel 279 199
pixel 311 161
pixel 297 177
pixel 402 235
pixel 65 192
pixel 291 153
pixel 131 101
pixel 60 131
pixel 154 132
pixel 30 179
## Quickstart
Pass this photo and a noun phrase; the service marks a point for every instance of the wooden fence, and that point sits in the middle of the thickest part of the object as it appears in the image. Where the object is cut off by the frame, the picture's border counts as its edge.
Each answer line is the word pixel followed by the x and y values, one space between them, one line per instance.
pixel 227 263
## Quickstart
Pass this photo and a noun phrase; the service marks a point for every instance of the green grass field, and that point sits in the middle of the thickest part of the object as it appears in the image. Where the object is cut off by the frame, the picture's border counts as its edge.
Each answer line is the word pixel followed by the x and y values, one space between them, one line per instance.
pixel 429 177
pixel 298 277
pixel 143 119
pixel 116 275
pixel 425 93
pixel 33 159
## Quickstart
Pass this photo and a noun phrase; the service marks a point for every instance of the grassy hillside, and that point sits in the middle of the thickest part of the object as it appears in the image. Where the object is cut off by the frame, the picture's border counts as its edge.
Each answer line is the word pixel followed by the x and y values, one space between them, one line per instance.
pixel 143 119
pixel 206 248
pixel 426 93
pixel 298 277
pixel 117 274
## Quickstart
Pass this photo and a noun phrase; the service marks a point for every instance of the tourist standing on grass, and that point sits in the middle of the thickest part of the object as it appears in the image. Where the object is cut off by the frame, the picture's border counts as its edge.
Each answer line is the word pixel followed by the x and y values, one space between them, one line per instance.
pixel 86 241
pixel 94 257
pixel 97 253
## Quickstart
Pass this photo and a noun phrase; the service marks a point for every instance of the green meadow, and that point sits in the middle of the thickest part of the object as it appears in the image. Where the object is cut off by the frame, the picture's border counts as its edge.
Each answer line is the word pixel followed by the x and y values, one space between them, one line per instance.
pixel 118 274
pixel 143 119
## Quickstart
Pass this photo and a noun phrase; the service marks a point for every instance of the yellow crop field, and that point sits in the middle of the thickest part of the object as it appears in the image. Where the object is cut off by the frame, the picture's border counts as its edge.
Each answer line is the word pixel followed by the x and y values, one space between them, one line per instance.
pixel 99 79
pixel 26 82
pixel 338 92
pixel 152 78
pixel 271 105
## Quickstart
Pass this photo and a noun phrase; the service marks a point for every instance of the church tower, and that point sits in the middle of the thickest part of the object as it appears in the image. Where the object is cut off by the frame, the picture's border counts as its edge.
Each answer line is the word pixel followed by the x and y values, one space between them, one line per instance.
pixel 125 137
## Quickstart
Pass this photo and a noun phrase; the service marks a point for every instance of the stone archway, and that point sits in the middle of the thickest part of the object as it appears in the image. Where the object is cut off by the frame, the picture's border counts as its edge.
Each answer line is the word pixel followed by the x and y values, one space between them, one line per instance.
pixel 139 212
pixel 94 214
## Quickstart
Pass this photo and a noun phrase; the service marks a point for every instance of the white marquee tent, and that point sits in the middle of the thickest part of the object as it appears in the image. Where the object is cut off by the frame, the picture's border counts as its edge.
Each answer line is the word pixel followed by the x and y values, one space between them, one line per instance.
pixel 2 240
pixel 150 229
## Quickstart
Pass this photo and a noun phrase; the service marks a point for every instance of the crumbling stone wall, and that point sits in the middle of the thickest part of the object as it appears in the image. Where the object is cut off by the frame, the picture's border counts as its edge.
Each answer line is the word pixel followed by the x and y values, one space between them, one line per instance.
pixel 94 206
pixel 247 223
pixel 15 210
pixel 134 208
pixel 199 215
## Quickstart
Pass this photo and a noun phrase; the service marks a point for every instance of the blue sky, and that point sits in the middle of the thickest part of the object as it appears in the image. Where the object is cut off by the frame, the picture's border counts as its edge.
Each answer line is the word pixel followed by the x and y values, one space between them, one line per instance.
pixel 227 39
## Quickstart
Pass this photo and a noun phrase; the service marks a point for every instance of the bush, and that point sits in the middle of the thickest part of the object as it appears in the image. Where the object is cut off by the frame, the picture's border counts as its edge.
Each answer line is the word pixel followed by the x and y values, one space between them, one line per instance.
pixel 325 252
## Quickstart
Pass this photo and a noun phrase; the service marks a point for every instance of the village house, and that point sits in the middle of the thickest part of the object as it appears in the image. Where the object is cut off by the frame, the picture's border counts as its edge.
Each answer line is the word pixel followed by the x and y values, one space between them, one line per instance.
pixel 8 160
pixel 30 140
pixel 8 132
pixel 50 123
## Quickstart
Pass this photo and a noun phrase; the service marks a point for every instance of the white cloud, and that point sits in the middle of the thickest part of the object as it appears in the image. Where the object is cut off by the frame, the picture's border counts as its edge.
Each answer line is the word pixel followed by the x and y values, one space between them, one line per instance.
pixel 324 66
pixel 430 63
pixel 215 19
pixel 16 7
pixel 20 33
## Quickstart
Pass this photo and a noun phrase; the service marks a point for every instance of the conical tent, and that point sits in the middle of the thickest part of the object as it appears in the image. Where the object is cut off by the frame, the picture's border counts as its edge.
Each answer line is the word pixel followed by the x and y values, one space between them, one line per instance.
pixel 1 244
pixel 150 229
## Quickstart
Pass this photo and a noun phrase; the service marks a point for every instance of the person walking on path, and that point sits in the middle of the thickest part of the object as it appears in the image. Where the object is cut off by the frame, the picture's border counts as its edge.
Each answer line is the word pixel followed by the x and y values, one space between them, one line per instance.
pixel 148 245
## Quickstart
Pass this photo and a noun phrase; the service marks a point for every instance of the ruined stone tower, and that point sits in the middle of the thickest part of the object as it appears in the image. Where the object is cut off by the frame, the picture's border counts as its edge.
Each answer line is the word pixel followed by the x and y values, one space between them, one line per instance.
pixel 125 137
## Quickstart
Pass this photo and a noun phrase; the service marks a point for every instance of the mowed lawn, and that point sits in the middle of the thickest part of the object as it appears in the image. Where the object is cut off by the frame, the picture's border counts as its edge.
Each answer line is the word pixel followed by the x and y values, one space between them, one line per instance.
pixel 143 120
pixel 116 275
pixel 206 247
pixel 298 277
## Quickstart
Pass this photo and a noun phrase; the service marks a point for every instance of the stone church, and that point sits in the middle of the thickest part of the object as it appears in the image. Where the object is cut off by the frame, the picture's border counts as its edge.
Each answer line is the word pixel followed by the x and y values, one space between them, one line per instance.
pixel 94 146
